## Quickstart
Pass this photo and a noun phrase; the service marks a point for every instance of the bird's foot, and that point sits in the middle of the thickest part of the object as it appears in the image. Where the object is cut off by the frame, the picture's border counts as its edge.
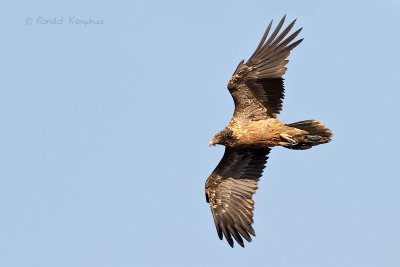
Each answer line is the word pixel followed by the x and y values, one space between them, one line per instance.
pixel 289 139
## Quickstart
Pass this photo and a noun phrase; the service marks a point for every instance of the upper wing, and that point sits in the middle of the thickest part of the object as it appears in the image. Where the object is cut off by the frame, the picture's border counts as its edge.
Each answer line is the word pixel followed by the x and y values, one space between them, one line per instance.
pixel 258 83
pixel 230 188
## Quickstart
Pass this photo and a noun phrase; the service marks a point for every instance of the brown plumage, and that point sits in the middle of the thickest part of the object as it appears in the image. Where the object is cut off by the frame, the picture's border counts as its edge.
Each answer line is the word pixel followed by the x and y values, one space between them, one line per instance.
pixel 257 90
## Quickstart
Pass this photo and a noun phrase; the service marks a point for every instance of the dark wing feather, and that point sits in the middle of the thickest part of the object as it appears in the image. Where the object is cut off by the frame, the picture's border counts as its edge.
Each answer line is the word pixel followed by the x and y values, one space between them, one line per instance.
pixel 258 83
pixel 229 191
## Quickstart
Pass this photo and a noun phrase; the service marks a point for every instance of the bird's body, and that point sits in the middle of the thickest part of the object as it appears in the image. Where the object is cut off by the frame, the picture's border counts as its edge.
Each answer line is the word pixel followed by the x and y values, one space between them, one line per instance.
pixel 257 90
pixel 260 134
pixel 266 133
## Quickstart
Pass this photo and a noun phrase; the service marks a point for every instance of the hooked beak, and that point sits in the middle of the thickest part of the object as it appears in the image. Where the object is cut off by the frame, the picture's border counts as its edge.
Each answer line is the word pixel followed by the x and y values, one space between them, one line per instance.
pixel 211 143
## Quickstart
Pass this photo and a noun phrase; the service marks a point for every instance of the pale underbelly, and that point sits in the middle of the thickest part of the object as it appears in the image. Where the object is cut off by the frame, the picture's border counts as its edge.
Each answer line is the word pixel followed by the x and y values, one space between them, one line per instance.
pixel 260 133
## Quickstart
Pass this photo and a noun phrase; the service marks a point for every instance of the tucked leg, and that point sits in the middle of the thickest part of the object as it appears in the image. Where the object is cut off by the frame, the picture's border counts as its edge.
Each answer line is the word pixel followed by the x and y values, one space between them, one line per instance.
pixel 289 139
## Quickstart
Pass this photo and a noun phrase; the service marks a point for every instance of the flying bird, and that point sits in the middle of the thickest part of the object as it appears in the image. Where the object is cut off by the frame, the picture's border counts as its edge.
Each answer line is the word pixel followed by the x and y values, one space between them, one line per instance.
pixel 257 90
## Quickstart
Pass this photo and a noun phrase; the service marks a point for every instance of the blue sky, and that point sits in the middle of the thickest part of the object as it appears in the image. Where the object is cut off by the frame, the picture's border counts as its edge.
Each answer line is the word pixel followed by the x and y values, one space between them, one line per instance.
pixel 104 132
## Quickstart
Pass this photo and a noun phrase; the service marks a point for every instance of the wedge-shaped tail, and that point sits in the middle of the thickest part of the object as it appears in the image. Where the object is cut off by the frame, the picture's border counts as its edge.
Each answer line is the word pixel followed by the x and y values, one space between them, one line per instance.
pixel 317 134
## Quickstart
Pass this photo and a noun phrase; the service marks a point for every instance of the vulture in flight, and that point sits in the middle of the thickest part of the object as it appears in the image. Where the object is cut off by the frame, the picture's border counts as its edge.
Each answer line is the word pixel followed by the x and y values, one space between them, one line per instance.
pixel 257 91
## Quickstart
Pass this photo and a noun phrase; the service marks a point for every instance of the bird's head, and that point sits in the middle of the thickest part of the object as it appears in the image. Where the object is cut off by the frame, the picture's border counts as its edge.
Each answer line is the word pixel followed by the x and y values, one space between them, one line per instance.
pixel 222 138
pixel 216 140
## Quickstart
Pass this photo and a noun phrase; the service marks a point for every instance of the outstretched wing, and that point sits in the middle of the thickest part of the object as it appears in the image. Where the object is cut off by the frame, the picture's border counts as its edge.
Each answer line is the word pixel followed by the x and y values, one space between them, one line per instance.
pixel 230 188
pixel 257 85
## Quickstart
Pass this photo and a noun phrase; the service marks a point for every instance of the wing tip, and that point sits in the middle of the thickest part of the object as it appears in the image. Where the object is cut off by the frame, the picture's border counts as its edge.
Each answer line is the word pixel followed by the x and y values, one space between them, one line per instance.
pixel 238 233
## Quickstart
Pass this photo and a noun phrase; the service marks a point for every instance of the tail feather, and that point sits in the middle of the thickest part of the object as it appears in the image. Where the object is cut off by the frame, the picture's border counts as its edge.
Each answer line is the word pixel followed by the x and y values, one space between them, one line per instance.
pixel 317 134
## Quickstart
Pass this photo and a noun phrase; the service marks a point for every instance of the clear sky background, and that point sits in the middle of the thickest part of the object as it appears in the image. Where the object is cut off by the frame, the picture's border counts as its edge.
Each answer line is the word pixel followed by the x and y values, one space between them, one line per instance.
pixel 104 132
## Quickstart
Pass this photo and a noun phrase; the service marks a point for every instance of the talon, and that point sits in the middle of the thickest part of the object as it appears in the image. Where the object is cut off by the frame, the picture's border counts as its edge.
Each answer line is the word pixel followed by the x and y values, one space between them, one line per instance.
pixel 289 139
